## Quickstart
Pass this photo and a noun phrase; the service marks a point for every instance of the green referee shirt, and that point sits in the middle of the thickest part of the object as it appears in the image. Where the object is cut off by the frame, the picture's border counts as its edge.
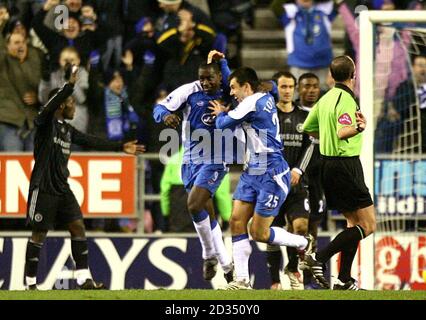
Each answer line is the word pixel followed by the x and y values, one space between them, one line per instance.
pixel 336 109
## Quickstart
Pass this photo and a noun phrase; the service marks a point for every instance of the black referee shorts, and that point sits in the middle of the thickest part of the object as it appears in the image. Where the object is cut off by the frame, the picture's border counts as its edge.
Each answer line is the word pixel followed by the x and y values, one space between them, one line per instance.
pixel 344 186
pixel 45 211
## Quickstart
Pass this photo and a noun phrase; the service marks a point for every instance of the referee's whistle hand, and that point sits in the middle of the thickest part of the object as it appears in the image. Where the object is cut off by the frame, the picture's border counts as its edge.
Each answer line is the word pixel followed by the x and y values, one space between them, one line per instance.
pixel 132 147
pixel 360 120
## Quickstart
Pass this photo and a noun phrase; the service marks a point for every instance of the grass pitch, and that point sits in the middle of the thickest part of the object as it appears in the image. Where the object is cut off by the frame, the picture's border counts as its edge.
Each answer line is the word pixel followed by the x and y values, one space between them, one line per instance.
pixel 211 295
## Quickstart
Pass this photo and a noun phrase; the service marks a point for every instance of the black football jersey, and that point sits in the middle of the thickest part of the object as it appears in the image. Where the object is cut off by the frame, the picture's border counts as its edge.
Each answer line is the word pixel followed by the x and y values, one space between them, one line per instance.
pixel 52 146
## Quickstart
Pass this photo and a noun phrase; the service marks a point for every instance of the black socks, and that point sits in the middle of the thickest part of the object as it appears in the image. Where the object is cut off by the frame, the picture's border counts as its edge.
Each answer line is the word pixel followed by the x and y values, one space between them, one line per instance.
pixel 79 253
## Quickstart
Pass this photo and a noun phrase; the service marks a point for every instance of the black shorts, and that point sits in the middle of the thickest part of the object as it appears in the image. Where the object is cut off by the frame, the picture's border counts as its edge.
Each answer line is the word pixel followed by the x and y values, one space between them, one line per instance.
pixel 296 205
pixel 344 186
pixel 316 198
pixel 45 211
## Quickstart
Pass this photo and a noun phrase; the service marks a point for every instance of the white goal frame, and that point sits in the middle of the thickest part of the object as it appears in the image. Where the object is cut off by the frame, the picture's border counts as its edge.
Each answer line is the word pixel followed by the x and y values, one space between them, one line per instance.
pixel 367 20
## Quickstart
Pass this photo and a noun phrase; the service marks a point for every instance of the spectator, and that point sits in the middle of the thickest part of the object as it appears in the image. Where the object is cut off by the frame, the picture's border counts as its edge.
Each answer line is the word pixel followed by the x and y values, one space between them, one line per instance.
pixel 20 74
pixel 111 25
pixel 133 11
pixel 172 190
pixel 4 18
pixel 406 97
pixel 69 55
pixel 85 41
pixel 121 121
pixel 186 47
pixel 227 18
pixel 308 41
pixel 175 11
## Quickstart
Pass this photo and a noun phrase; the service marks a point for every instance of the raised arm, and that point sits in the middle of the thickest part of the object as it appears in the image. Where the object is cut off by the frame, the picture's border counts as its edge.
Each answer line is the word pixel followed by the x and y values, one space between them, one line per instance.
pixel 47 112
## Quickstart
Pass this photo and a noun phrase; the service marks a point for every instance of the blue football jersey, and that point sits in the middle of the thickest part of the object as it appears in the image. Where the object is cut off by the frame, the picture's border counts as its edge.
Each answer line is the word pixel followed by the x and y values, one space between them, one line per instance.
pixel 198 123
pixel 258 117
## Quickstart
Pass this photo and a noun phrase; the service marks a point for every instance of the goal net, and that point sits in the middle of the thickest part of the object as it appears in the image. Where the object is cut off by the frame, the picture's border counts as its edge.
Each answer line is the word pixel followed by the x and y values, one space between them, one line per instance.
pixel 393 81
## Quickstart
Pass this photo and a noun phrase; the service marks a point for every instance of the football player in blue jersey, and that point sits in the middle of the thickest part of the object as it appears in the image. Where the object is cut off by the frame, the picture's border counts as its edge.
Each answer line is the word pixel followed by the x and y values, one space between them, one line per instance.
pixel 203 166
pixel 265 183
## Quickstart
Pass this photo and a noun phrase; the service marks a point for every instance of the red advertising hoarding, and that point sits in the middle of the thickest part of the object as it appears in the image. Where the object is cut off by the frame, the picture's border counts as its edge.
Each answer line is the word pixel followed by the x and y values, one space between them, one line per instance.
pixel 104 184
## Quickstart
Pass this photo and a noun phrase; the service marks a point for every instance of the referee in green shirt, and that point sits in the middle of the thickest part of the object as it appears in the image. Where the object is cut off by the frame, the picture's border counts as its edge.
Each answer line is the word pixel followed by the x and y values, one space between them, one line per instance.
pixel 337 121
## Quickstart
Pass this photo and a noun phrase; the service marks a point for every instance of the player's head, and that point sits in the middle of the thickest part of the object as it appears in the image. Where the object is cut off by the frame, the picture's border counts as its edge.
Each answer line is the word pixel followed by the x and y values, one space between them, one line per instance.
pixel 210 77
pixel 243 83
pixel 286 83
pixel 67 108
pixel 342 69
pixel 309 89
pixel 419 68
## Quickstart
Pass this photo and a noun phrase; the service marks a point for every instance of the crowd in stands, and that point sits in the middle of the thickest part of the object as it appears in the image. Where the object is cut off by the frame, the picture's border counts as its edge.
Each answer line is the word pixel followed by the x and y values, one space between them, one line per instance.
pixel 132 52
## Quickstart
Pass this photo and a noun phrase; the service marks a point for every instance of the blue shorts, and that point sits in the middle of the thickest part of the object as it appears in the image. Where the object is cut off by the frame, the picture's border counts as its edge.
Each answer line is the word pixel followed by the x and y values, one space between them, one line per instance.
pixel 207 176
pixel 268 191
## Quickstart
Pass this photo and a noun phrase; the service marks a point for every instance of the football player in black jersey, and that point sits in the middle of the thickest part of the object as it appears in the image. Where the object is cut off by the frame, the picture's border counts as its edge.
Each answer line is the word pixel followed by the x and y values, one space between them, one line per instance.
pixel 50 198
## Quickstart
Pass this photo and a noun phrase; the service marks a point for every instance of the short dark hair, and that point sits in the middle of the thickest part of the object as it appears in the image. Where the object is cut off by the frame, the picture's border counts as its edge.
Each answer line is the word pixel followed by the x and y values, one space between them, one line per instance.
pixel 246 75
pixel 285 74
pixel 308 75
pixel 213 65
pixel 419 56
pixel 342 68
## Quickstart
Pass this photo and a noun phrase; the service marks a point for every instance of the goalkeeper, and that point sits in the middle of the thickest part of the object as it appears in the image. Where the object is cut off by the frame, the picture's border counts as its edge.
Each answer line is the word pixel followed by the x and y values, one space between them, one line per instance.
pixel 339 122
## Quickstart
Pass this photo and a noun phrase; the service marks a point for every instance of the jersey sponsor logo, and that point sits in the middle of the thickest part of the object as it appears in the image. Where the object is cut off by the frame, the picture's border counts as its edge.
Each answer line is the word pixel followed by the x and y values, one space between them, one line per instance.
pixel 345 119
pixel 208 119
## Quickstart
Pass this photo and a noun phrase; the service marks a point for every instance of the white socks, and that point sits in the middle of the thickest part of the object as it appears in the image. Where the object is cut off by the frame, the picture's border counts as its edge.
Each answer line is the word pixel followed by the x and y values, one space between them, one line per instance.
pixel 224 259
pixel 30 281
pixel 202 226
pixel 241 249
pixel 281 237
pixel 82 275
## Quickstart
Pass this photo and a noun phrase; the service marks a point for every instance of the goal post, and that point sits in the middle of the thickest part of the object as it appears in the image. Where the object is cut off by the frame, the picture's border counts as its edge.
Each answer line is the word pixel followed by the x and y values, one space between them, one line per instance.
pixel 398 235
pixel 367 20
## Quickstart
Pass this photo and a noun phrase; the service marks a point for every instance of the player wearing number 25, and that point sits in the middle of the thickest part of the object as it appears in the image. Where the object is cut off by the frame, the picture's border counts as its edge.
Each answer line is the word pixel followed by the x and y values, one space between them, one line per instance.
pixel 265 183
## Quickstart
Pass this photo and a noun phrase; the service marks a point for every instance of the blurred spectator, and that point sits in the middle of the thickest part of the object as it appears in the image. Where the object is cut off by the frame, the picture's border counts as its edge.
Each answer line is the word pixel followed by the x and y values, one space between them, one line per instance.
pixel 110 20
pixel 83 38
pixel 411 91
pixel 173 192
pixel 4 18
pixel 147 64
pixel 308 36
pixel 175 11
pixel 69 55
pixel 227 17
pixel 134 10
pixel 73 6
pixel 185 48
pixel 121 121
pixel 20 74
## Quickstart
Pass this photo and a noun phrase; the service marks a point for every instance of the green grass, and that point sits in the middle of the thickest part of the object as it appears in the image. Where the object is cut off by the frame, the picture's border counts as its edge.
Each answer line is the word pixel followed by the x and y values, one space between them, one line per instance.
pixel 211 295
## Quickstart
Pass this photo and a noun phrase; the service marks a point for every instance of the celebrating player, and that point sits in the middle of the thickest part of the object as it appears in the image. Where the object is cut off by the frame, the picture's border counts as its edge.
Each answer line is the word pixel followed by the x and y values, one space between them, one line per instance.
pixel 50 198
